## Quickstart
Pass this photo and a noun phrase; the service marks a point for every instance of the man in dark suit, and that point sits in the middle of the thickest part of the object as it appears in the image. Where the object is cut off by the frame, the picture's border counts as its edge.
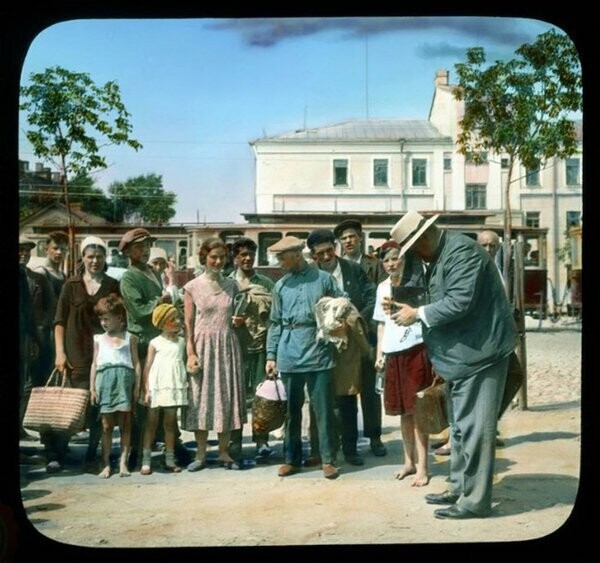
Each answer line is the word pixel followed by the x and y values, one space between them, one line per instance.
pixel 350 236
pixel 353 280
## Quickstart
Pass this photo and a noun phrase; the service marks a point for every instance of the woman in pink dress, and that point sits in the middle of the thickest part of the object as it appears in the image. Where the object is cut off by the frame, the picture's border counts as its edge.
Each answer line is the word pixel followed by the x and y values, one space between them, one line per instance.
pixel 214 359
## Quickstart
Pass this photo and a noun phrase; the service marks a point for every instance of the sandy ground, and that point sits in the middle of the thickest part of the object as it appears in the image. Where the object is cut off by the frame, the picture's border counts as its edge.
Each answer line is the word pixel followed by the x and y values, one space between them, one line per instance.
pixel 536 484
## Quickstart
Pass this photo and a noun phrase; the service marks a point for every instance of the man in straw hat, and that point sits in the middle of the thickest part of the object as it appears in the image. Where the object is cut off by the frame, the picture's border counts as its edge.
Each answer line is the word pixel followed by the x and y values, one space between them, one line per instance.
pixel 469 333
pixel 293 350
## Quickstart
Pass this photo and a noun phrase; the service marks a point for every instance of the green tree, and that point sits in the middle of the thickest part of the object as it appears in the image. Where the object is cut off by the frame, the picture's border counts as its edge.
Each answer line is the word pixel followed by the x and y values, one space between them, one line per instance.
pixel 68 117
pixel 92 198
pixel 523 108
pixel 142 199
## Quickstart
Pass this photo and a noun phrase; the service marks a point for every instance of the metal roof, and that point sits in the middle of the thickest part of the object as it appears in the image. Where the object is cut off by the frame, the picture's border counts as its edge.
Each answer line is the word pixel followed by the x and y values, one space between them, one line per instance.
pixel 365 130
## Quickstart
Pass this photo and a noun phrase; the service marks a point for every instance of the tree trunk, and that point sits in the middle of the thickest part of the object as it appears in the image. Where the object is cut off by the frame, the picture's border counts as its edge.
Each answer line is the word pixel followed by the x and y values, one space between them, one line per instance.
pixel 70 261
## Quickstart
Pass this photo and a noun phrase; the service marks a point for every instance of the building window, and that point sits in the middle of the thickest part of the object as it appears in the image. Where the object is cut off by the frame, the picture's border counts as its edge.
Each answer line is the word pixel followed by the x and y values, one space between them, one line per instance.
pixel 419 172
pixel 380 172
pixel 572 171
pixel 532 177
pixel 532 219
pixel 480 157
pixel 265 240
pixel 340 172
pixel 447 161
pixel 475 196
pixel 573 219
pixel 504 163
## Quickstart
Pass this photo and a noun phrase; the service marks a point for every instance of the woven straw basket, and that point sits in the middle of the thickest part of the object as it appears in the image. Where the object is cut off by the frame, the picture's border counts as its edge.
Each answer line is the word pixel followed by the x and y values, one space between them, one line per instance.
pixel 268 414
pixel 56 407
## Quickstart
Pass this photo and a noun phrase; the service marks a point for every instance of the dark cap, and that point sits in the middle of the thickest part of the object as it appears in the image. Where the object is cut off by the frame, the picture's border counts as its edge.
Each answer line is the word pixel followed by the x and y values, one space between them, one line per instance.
pixel 319 236
pixel 347 224
pixel 135 235
pixel 24 241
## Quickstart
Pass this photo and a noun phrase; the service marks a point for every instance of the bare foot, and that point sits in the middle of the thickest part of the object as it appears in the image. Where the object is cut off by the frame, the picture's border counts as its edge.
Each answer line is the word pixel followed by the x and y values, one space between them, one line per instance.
pixel 404 472
pixel 105 473
pixel 420 479
pixel 124 472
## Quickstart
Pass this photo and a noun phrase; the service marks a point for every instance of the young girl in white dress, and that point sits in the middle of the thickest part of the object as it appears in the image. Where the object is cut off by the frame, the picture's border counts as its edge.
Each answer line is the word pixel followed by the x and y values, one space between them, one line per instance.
pixel 165 384
pixel 115 378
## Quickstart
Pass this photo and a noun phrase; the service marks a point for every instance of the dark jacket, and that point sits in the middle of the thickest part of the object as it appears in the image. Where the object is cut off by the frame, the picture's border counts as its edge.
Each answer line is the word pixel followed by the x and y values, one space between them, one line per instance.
pixel 470 321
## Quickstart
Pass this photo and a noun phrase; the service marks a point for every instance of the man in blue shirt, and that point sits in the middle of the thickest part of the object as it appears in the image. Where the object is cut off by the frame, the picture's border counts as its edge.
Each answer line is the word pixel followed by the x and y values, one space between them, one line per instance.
pixel 294 352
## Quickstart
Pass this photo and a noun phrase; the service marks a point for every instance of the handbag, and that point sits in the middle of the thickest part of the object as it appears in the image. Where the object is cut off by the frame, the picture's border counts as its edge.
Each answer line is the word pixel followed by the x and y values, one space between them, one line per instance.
pixel 56 407
pixel 431 413
pixel 269 406
pixel 514 380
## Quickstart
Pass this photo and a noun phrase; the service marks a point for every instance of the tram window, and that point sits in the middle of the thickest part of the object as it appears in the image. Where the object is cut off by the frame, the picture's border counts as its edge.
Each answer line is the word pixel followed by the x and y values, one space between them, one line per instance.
pixel 264 241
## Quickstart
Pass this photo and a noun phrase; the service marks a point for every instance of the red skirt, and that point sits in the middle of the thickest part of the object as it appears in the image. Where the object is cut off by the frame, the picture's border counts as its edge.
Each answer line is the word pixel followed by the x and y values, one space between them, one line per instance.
pixel 406 373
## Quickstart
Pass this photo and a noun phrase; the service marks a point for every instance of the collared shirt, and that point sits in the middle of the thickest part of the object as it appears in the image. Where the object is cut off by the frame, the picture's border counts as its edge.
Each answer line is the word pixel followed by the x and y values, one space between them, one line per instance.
pixel 292 336
pixel 256 279
pixel 337 274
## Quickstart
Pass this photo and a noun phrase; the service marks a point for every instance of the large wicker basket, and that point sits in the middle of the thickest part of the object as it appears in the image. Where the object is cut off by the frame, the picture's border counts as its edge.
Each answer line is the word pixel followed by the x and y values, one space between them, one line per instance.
pixel 56 407
pixel 268 413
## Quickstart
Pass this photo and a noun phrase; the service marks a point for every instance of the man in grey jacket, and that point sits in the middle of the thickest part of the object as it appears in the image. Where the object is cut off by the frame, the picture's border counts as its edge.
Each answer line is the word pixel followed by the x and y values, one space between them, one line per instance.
pixel 469 333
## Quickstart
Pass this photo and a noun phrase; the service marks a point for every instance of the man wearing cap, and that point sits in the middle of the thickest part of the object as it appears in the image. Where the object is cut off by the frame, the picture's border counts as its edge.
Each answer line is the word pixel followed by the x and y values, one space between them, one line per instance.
pixel 294 352
pixel 349 234
pixel 353 280
pixel 142 290
pixel 469 332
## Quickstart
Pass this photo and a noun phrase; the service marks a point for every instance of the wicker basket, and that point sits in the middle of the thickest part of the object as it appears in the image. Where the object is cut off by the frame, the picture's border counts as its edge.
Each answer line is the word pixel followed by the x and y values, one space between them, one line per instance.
pixel 56 407
pixel 268 414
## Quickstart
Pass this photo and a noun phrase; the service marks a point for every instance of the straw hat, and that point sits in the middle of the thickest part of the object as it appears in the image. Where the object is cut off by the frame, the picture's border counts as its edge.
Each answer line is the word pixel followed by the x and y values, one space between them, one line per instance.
pixel 408 230
pixel 160 314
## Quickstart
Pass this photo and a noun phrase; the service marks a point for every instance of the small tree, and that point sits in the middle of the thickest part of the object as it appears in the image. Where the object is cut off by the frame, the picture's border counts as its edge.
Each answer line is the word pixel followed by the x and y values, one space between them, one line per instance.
pixel 522 108
pixel 142 198
pixel 68 116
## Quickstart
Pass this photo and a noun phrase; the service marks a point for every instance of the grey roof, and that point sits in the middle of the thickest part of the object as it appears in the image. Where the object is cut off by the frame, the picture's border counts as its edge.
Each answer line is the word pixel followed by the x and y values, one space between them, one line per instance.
pixel 365 130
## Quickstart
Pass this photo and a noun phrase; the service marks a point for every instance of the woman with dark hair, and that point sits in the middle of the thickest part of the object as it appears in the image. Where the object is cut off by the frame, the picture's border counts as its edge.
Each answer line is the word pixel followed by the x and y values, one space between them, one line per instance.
pixel 75 324
pixel 216 398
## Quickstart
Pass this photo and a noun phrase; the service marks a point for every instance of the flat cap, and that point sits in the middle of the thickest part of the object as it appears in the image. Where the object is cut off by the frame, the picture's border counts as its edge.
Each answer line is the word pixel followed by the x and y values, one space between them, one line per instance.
pixel 347 224
pixel 285 244
pixel 24 241
pixel 135 235
pixel 319 236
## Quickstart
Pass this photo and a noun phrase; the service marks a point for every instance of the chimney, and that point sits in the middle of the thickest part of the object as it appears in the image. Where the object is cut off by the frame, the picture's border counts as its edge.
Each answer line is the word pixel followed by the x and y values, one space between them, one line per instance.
pixel 75 207
pixel 39 167
pixel 441 77
pixel 56 177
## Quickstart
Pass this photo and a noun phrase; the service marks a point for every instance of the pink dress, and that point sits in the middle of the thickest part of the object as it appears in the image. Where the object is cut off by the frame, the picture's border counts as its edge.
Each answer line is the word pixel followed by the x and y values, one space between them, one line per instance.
pixel 216 395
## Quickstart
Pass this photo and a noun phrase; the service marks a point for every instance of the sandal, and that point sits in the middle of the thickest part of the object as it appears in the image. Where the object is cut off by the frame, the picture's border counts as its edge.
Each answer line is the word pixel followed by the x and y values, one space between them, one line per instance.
pixel 173 468
pixel 230 465
pixel 145 470
pixel 196 465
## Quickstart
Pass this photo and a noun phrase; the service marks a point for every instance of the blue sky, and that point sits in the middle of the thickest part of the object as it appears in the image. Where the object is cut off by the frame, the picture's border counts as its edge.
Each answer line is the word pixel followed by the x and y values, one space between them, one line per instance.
pixel 199 90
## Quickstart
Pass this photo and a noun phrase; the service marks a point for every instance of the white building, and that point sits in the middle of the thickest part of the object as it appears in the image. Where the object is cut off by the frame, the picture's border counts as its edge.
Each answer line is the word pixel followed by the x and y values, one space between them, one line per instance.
pixel 387 167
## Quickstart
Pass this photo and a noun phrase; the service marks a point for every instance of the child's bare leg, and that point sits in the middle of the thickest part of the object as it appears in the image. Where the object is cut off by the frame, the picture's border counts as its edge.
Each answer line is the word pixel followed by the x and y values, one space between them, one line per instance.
pixel 407 426
pixel 149 433
pixel 421 478
pixel 108 424
pixel 125 430
pixel 170 426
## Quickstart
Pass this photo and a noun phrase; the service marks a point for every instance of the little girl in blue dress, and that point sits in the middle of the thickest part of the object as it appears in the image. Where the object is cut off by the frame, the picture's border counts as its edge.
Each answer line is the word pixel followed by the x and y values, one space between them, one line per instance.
pixel 115 379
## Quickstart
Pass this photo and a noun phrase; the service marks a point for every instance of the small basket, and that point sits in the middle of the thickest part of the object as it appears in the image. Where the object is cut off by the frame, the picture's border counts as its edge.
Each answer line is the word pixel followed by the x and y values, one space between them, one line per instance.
pixel 56 407
pixel 268 414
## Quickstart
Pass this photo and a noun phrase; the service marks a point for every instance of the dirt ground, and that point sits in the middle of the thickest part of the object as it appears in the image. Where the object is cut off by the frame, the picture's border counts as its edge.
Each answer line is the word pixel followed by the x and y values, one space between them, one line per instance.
pixel 536 484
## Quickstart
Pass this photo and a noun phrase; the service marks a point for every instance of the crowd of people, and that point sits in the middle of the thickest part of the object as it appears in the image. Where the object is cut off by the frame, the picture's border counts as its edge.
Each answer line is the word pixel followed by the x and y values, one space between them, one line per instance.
pixel 157 358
